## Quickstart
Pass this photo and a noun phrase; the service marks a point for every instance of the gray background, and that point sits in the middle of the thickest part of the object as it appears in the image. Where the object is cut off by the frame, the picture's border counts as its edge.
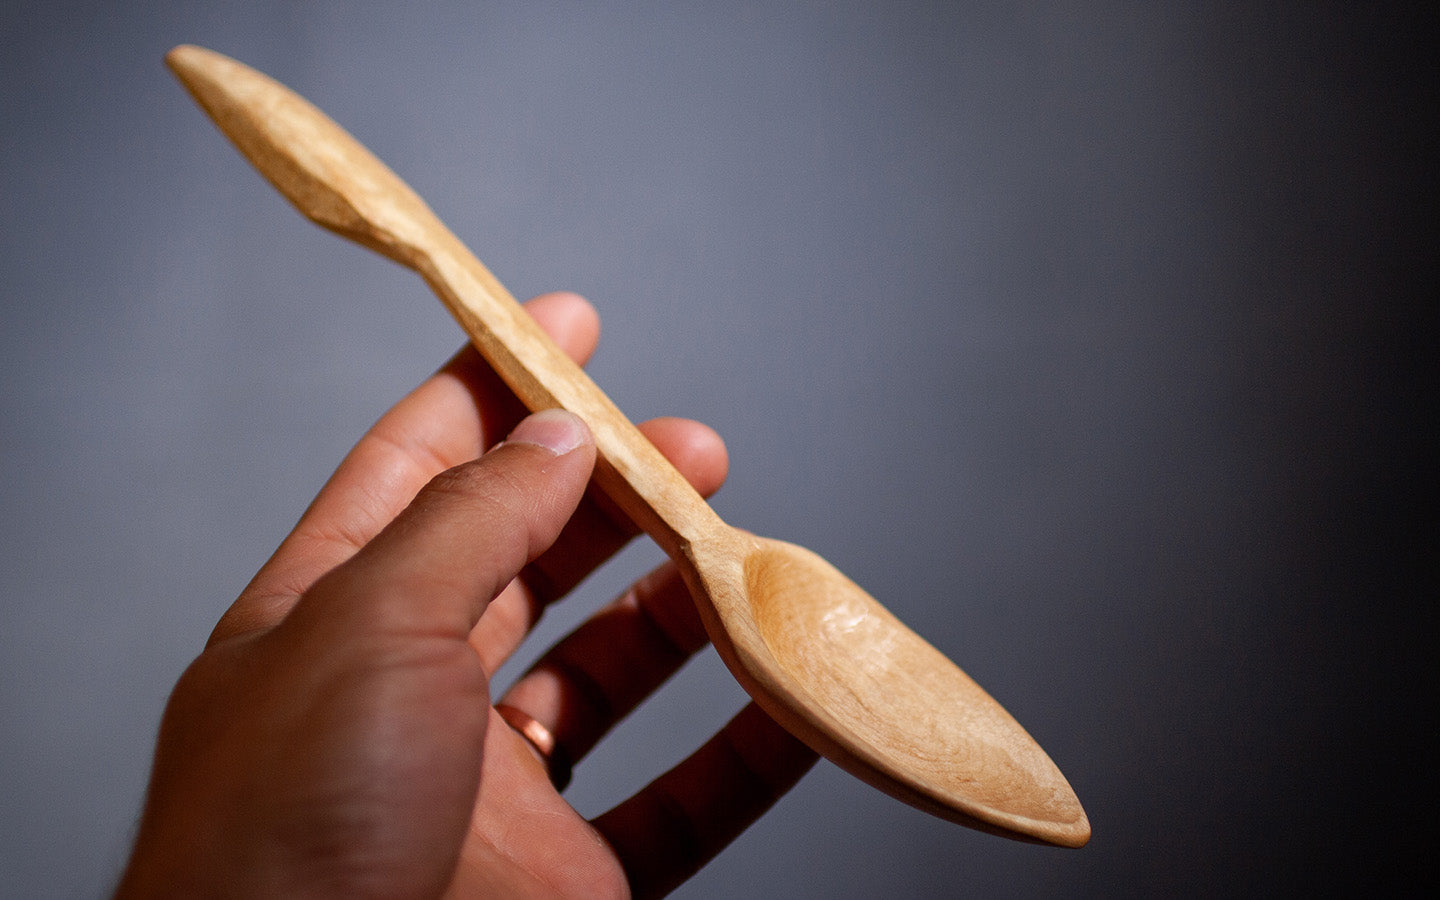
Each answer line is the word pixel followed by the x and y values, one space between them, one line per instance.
pixel 1092 338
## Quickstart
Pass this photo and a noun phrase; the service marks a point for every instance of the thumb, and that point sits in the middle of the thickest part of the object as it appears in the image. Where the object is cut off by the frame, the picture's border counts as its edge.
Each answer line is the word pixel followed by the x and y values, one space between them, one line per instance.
pixel 436 567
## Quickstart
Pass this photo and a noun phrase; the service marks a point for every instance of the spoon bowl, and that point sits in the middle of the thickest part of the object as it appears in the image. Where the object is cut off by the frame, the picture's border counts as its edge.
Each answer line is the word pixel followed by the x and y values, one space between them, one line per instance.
pixel 819 654
pixel 841 672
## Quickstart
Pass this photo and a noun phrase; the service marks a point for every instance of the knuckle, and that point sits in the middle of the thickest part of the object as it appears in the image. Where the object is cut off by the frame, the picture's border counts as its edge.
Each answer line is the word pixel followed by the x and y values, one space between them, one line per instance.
pixel 496 491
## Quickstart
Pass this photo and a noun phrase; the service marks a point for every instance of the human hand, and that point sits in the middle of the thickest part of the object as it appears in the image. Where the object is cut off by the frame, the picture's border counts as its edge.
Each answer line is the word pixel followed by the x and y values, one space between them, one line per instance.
pixel 336 736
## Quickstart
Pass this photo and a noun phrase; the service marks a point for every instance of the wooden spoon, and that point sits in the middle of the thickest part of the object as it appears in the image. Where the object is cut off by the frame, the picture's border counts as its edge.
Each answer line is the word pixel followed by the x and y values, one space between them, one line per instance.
pixel 814 650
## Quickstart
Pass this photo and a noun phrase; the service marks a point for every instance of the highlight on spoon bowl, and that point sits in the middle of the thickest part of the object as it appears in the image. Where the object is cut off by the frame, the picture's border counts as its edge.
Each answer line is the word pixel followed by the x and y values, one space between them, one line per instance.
pixel 819 654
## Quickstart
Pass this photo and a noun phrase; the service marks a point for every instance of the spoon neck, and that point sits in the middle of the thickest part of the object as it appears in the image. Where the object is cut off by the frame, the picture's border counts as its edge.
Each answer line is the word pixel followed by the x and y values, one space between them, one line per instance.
pixel 656 497
pixel 631 472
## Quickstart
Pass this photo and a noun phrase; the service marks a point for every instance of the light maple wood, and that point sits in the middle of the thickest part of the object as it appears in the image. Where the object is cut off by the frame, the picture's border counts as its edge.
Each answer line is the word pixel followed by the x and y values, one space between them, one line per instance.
pixel 815 651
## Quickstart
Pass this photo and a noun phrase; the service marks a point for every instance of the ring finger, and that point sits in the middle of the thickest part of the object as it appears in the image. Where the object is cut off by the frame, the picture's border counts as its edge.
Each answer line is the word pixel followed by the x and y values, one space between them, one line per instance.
pixel 581 687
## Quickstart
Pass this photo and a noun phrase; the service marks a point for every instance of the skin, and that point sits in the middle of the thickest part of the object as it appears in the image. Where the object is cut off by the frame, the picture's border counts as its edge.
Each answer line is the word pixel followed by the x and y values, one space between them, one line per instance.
pixel 337 734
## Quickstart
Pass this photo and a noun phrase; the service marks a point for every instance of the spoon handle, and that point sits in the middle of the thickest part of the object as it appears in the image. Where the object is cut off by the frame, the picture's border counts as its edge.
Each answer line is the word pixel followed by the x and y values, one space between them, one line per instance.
pixel 333 180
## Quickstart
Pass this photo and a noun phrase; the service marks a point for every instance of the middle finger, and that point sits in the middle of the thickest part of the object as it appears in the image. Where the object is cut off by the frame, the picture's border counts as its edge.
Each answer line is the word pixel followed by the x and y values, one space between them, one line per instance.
pixel 595 533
